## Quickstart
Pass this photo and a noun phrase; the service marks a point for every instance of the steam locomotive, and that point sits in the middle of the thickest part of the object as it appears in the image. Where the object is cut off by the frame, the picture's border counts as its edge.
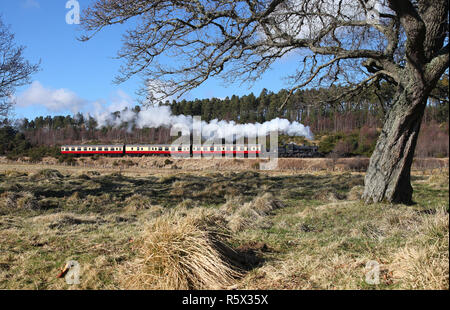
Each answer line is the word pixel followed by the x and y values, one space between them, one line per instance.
pixel 233 150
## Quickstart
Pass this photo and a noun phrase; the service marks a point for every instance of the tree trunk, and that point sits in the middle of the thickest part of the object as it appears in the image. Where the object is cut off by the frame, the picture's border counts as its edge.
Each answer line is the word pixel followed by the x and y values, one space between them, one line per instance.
pixel 389 174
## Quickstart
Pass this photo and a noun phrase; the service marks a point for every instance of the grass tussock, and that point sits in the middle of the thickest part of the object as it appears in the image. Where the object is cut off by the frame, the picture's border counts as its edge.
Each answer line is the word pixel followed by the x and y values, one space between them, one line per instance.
pixel 252 213
pixel 178 230
pixel 15 174
pixel 181 251
pixel 439 179
pixel 46 174
pixel 355 192
pixel 423 262
pixel 137 202
pixel 20 201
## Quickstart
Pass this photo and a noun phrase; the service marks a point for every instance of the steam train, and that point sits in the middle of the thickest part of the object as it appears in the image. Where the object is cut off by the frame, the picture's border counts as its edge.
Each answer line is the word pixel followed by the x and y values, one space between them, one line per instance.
pixel 192 150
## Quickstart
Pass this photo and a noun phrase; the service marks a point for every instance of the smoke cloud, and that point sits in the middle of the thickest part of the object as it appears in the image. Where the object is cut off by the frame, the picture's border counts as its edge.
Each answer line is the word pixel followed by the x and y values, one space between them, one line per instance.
pixel 161 116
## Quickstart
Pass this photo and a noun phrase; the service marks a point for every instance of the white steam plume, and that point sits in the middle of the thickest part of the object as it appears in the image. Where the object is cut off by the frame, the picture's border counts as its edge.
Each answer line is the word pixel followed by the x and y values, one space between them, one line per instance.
pixel 161 116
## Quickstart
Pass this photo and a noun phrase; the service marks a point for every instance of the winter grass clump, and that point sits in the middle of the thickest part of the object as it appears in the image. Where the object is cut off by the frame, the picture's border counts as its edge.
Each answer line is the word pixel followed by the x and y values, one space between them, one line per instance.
pixel 180 251
pixel 252 213
pixel 423 262
pixel 46 174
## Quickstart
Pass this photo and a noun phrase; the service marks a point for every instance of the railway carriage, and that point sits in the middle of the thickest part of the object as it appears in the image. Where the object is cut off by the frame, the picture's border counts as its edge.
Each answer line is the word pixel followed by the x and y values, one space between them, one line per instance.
pixel 80 150
pixel 228 150
pixel 217 151
pixel 157 150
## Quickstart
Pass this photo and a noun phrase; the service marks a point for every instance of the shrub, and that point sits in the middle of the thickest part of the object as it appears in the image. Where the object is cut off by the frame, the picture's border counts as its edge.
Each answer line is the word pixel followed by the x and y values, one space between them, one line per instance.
pixel 327 143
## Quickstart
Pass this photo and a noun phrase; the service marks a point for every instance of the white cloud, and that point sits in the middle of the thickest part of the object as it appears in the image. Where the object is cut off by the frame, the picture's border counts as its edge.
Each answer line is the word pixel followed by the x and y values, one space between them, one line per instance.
pixel 55 100
pixel 62 100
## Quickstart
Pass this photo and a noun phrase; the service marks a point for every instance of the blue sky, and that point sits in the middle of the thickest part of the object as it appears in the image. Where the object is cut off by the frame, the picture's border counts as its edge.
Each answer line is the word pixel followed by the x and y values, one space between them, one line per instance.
pixel 77 76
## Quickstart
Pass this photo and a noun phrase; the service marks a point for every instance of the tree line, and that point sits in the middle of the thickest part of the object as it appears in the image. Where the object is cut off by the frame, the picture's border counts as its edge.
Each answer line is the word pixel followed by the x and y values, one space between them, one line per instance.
pixel 348 128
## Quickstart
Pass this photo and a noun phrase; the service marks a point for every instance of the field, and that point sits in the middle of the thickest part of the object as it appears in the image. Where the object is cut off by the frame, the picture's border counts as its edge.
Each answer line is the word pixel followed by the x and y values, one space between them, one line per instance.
pixel 218 224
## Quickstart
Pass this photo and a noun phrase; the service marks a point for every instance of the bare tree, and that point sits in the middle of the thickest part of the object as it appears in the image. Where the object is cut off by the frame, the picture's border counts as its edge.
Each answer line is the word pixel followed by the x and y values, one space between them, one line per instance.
pixel 179 44
pixel 15 71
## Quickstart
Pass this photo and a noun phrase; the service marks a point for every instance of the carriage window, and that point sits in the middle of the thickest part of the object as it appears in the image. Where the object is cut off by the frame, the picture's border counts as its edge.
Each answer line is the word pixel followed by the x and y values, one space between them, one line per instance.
pixel 160 148
pixel 179 149
pixel 85 149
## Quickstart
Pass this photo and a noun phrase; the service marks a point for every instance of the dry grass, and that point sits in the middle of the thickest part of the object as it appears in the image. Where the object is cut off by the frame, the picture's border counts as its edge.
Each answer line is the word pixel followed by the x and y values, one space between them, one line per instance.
pixel 168 230
pixel 430 164
pixel 424 262
pixel 301 164
pixel 46 174
pixel 439 179
pixel 251 214
pixel 13 201
pixel 137 202
pixel 179 252
pixel 148 165
pixel 412 250
pixel 355 193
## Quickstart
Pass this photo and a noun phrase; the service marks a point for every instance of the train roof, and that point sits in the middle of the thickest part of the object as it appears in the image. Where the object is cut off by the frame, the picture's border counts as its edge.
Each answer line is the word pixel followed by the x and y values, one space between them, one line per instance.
pixel 97 145
pixel 150 144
